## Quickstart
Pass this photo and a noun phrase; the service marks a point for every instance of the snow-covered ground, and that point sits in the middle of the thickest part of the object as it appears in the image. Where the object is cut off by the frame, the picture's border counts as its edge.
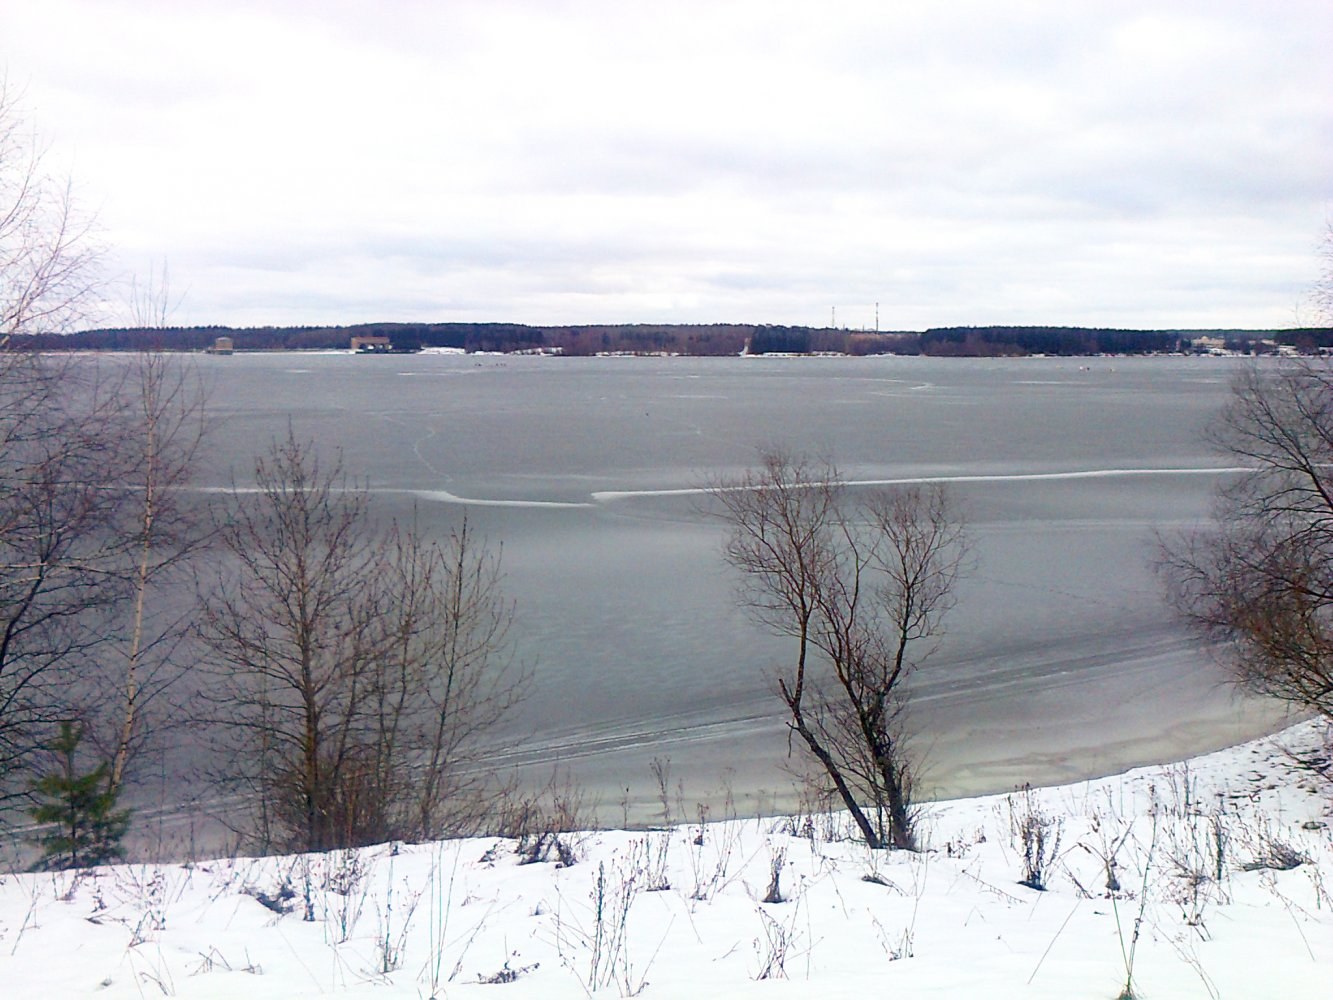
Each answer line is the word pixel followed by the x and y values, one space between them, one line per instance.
pixel 1133 876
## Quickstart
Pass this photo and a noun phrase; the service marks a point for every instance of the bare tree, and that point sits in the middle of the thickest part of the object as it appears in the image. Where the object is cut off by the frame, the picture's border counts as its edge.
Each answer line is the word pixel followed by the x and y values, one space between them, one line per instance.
pixel 288 623
pixel 1261 580
pixel 92 455
pixel 356 668
pixel 862 588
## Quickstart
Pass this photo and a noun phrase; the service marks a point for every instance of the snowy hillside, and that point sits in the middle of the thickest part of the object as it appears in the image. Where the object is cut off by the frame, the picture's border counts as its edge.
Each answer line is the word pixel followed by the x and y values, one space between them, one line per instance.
pixel 1208 879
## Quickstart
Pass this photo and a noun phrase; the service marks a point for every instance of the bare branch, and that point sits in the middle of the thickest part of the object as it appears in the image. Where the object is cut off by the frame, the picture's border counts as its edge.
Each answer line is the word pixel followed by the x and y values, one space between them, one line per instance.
pixel 48 259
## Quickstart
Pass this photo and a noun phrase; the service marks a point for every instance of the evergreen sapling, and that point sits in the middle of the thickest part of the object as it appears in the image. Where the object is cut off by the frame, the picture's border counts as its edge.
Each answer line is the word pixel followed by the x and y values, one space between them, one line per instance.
pixel 82 825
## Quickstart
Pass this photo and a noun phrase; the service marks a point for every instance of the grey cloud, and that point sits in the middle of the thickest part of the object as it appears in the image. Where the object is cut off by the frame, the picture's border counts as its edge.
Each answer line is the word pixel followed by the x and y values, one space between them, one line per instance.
pixel 970 162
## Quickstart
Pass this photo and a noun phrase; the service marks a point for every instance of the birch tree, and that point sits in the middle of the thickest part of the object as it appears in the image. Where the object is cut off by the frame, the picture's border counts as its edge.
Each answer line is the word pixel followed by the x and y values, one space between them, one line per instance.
pixel 161 528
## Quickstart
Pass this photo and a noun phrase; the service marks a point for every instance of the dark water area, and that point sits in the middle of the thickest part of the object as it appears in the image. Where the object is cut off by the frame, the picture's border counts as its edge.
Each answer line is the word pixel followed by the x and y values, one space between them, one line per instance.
pixel 1061 660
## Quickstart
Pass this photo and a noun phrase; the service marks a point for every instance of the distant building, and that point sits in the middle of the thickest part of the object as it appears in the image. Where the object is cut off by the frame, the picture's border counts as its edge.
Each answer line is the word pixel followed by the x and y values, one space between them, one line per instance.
pixel 372 345
pixel 222 345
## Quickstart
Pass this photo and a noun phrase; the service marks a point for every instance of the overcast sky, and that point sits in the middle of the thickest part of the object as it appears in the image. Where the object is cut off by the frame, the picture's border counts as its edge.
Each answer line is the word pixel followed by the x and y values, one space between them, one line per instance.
pixel 1096 163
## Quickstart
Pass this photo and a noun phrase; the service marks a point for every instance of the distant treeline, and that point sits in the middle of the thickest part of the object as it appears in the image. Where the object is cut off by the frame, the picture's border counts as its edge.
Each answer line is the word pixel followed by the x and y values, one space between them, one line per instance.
pixel 717 339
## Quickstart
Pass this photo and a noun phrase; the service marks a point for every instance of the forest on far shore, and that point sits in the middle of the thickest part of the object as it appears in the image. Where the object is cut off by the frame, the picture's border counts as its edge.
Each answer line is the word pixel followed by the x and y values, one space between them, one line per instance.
pixel 712 339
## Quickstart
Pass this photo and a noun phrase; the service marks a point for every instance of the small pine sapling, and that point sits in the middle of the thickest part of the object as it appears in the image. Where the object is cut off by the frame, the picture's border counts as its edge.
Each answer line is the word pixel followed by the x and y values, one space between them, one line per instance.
pixel 81 824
